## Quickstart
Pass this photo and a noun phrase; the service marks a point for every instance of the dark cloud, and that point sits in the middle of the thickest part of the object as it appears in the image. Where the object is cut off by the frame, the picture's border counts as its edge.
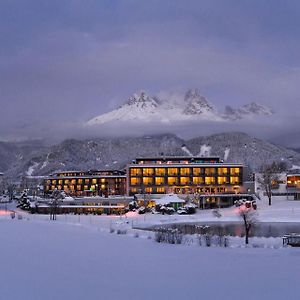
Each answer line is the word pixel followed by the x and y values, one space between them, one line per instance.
pixel 63 62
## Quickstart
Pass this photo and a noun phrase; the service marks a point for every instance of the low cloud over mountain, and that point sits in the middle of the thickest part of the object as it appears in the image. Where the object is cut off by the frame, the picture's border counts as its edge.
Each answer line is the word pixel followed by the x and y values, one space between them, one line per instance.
pixel 143 108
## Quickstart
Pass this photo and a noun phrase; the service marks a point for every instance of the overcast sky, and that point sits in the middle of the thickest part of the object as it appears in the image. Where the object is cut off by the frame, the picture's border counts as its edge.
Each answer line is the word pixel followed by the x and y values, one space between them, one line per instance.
pixel 65 61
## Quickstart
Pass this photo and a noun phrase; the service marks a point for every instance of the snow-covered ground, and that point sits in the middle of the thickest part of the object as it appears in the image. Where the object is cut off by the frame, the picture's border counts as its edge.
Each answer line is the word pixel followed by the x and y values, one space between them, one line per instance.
pixel 281 210
pixel 76 257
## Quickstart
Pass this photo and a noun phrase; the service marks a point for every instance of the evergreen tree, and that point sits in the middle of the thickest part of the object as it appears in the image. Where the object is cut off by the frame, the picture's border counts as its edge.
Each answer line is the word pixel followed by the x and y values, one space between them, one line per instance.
pixel 24 202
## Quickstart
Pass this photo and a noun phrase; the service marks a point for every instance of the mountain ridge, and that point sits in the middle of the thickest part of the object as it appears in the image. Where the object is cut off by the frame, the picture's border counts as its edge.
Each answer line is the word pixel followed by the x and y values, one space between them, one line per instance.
pixel 192 106
pixel 116 152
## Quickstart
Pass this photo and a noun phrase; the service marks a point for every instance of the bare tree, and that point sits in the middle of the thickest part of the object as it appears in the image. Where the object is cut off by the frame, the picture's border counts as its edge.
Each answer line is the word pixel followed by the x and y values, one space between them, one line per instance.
pixel 247 213
pixel 11 191
pixel 57 196
pixel 268 177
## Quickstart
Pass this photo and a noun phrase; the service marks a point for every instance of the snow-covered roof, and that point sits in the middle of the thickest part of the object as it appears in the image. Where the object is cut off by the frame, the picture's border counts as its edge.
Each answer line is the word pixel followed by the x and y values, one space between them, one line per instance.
pixel 169 198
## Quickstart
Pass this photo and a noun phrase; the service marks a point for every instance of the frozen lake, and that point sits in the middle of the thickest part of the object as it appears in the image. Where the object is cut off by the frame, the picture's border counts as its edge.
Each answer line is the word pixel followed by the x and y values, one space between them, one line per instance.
pixel 260 229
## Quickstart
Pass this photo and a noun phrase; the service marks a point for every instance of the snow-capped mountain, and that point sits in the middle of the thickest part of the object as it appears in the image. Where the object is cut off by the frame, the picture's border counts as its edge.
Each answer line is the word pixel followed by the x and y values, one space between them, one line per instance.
pixel 247 111
pixel 197 104
pixel 140 106
pixel 189 107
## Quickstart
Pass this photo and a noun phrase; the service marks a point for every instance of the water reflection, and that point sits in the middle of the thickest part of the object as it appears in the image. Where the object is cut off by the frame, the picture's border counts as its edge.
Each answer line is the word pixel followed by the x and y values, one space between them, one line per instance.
pixel 235 229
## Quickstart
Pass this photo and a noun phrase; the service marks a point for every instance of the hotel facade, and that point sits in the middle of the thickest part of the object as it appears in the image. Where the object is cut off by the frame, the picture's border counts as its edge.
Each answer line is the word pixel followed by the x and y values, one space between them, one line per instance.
pixel 211 181
pixel 90 183
pixel 214 182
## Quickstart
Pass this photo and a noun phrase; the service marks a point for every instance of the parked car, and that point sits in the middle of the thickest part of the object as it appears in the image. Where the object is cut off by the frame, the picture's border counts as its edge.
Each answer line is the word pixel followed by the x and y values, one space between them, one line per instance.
pixel 142 210
pixel 181 211
pixel 166 210
pixel 4 199
pixel 247 203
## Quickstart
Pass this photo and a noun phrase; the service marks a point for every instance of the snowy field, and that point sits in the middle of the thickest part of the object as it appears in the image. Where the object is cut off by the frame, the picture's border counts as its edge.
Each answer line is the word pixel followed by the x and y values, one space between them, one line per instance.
pixel 76 257
pixel 57 260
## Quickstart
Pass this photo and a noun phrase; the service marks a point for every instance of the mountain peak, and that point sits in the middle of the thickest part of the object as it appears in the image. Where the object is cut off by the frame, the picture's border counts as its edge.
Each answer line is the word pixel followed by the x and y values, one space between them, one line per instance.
pixel 257 109
pixel 248 110
pixel 196 103
pixel 142 100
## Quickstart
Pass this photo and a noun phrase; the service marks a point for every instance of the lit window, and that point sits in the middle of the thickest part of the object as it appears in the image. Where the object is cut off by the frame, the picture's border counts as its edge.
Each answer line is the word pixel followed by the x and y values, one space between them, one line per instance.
pixel 210 171
pixel 235 171
pixel 234 180
pixel 222 171
pixel 135 172
pixel 134 181
pixel 148 190
pixel 160 171
pixel 147 180
pixel 222 180
pixel 198 180
pixel 172 171
pixel 210 180
pixel 133 190
pixel 148 171
pixel 184 180
pixel 160 190
pixel 197 171
pixel 185 171
pixel 159 180
pixel 172 180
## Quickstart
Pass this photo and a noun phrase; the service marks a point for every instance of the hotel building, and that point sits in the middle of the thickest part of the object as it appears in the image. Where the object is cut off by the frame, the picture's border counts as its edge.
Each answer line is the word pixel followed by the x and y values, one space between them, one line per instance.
pixel 215 182
pixel 90 183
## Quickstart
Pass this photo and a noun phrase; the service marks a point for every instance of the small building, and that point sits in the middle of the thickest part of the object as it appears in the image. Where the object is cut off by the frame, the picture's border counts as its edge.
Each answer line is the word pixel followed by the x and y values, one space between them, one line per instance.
pixel 293 184
pixel 170 199
pixel 87 205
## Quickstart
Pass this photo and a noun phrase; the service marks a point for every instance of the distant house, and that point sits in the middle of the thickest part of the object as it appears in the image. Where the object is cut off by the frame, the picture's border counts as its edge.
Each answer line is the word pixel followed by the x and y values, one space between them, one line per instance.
pixel 293 184
pixel 170 199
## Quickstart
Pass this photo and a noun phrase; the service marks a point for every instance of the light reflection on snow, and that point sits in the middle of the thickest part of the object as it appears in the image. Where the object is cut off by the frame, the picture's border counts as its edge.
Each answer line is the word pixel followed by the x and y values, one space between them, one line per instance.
pixel 131 214
pixel 4 212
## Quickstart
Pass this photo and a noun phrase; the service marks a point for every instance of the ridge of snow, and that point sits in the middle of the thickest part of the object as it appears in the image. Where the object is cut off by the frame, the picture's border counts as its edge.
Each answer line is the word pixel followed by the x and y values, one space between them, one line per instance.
pixel 31 169
pixel 205 150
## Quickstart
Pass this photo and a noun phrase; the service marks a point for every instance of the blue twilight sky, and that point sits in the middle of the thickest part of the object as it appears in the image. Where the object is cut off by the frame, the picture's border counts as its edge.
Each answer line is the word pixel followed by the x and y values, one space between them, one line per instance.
pixel 63 62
